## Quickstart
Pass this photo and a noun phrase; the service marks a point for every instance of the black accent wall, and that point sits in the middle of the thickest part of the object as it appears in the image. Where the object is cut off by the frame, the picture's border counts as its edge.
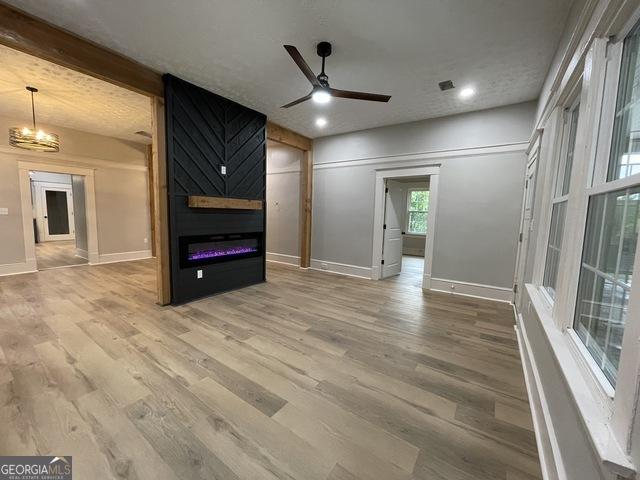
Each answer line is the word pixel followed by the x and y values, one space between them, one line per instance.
pixel 206 132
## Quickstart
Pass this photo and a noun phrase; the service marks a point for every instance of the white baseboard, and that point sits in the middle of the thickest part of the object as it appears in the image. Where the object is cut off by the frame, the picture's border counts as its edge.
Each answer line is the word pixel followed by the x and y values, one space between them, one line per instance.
pixel 122 257
pixel 282 258
pixel 416 252
pixel 29 266
pixel 477 290
pixel 341 268
pixel 82 253
pixel 546 440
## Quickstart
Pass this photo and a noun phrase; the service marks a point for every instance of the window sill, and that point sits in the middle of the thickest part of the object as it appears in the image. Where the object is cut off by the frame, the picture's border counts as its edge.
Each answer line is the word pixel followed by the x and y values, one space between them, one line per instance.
pixel 594 413
pixel 415 235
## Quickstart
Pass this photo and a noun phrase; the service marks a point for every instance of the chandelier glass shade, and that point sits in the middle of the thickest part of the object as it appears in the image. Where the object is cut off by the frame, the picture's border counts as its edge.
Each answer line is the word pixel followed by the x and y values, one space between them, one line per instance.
pixel 32 138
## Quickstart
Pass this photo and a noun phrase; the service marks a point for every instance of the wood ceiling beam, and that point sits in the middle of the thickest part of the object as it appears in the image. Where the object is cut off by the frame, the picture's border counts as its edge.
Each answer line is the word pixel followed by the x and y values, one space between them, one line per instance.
pixel 21 31
pixel 283 135
pixel 293 139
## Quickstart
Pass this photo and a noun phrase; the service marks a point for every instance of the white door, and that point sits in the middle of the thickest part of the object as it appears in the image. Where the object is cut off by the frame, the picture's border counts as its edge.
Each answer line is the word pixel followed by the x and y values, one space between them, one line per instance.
pixel 56 211
pixel 392 237
pixel 526 224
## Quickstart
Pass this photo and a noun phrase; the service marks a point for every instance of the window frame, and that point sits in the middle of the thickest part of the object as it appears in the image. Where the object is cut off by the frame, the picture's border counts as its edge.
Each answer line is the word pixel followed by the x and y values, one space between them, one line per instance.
pixel 607 415
pixel 557 179
pixel 408 211
pixel 589 178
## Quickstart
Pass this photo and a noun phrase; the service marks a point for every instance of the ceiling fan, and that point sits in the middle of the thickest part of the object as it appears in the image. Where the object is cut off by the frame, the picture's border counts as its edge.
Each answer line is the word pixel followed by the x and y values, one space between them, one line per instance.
pixel 322 92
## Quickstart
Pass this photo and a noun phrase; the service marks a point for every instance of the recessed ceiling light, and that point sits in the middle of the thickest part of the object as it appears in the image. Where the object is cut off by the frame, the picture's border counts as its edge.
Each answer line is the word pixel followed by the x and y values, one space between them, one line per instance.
pixel 467 92
pixel 320 95
pixel 321 122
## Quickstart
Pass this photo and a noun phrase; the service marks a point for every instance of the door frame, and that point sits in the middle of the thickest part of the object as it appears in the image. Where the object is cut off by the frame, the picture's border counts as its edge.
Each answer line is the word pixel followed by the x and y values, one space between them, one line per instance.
pixel 24 166
pixel 525 237
pixel 40 202
pixel 433 172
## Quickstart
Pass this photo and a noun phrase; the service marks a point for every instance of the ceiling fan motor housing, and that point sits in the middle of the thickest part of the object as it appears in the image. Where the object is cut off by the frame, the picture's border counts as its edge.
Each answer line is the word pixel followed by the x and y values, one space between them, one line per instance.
pixel 323 49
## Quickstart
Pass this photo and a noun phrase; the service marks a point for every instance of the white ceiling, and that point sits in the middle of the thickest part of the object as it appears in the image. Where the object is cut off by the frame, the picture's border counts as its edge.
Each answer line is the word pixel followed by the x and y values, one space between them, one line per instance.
pixel 69 99
pixel 403 48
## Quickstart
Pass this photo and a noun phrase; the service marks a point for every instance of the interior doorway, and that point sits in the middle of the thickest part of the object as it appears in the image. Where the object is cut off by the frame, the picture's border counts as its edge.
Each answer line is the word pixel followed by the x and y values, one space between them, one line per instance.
pixel 59 219
pixel 404 224
pixel 405 227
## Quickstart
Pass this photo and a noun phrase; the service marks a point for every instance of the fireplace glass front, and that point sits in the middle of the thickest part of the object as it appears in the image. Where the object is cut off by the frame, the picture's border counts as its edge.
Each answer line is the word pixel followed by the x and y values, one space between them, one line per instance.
pixel 207 249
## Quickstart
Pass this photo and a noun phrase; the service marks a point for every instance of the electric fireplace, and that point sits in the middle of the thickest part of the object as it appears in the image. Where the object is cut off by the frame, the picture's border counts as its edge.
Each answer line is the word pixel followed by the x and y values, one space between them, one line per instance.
pixel 207 249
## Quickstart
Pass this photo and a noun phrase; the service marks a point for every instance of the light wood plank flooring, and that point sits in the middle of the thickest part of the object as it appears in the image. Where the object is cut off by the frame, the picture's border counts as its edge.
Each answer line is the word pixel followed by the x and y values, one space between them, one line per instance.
pixel 309 376
pixel 56 254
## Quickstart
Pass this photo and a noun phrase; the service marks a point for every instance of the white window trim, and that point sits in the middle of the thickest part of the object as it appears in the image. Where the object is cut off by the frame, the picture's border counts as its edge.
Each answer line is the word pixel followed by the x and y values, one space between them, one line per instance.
pixel 556 179
pixel 608 416
pixel 406 222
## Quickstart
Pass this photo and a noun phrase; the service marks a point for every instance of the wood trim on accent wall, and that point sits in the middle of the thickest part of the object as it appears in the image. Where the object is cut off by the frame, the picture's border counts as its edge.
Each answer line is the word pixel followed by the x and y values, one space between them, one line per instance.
pixel 161 200
pixel 293 139
pixel 288 137
pixel 31 35
pixel 199 201
pixel 306 196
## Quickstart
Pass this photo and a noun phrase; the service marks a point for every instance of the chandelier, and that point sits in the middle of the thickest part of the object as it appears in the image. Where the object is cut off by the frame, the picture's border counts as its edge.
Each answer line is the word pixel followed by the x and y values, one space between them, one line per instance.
pixel 32 138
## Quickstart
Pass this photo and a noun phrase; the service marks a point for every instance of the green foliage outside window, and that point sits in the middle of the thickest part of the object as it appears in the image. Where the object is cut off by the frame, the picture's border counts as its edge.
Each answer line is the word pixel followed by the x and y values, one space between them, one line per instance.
pixel 418 210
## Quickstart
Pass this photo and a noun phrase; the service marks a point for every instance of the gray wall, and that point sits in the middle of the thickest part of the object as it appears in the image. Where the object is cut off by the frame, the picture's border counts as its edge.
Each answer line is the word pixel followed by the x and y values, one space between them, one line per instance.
pixel 122 205
pixel 479 193
pixel 283 199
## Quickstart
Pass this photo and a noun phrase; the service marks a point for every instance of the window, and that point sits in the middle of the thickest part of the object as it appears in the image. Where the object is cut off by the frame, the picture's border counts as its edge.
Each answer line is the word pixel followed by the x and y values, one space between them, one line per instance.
pixel 560 198
pixel 605 275
pixel 611 232
pixel 417 210
pixel 625 147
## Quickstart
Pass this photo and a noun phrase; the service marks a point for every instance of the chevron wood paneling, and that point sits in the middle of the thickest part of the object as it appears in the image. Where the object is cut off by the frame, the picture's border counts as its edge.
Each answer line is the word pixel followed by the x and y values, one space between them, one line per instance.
pixel 206 132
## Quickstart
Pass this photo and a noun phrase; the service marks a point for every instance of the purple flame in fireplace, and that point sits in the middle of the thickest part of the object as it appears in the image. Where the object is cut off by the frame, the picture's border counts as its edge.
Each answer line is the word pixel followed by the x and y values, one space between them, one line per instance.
pixel 220 252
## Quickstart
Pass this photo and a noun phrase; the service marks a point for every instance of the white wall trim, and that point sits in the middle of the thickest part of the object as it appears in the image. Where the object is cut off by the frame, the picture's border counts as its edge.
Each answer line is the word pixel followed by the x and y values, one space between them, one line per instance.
pixel 82 253
pixel 546 440
pixel 278 171
pixel 121 257
pixel 426 156
pixel 282 258
pixel 17 268
pixel 80 161
pixel 341 268
pixel 477 290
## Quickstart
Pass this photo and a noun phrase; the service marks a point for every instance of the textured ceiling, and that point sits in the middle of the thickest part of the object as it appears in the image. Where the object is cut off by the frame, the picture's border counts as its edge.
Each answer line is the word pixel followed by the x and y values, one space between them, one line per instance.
pixel 403 48
pixel 69 99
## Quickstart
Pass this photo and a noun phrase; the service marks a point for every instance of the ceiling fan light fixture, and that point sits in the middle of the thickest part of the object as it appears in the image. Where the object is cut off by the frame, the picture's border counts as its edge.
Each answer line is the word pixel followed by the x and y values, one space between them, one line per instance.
pixel 320 95
pixel 467 92
pixel 32 138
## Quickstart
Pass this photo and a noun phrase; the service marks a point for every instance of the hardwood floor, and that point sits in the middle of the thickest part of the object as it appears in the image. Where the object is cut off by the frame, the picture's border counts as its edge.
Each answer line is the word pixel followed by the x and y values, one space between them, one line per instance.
pixel 309 376
pixel 56 254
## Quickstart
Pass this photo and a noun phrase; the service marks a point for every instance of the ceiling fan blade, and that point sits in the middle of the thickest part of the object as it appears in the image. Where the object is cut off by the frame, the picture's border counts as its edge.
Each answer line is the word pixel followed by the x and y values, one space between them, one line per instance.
pixel 296 102
pixel 302 65
pixel 373 97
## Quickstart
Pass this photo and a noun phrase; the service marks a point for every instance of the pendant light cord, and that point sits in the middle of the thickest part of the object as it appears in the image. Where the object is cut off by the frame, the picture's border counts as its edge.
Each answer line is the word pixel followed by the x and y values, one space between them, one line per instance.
pixel 33 112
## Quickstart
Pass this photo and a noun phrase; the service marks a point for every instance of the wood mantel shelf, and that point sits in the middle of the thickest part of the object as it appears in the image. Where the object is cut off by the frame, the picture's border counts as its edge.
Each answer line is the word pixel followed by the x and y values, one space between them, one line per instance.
pixel 198 201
